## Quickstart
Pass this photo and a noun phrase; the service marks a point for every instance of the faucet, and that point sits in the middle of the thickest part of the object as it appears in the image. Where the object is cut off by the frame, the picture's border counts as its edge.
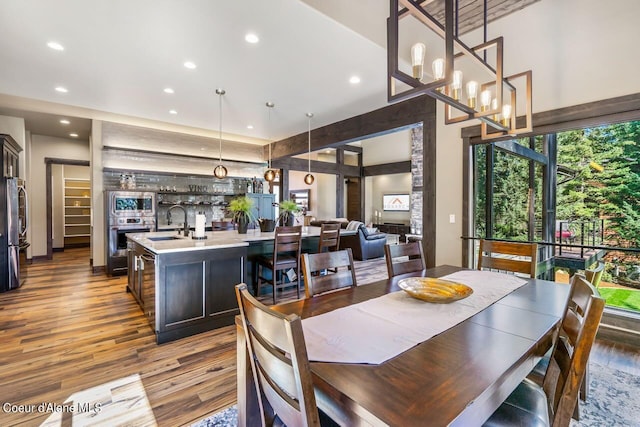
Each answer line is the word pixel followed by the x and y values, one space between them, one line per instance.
pixel 185 231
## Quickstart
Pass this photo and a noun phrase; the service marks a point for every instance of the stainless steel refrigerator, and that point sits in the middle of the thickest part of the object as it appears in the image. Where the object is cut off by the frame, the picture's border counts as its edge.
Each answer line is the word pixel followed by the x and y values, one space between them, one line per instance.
pixel 15 229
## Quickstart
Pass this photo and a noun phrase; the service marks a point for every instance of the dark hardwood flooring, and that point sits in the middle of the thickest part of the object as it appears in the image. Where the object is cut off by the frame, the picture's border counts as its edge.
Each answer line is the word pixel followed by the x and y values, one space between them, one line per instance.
pixel 66 330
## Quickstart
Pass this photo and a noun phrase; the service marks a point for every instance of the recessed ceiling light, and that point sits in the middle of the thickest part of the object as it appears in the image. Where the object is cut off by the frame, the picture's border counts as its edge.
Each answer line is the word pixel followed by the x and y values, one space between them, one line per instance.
pixel 203 149
pixel 173 112
pixel 64 121
pixel 249 126
pixel 190 65
pixel 73 135
pixel 251 38
pixel 168 90
pixel 61 89
pixel 354 80
pixel 55 46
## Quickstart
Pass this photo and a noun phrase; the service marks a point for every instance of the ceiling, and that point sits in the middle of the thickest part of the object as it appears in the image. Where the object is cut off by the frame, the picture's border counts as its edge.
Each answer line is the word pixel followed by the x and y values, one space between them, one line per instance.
pixel 120 55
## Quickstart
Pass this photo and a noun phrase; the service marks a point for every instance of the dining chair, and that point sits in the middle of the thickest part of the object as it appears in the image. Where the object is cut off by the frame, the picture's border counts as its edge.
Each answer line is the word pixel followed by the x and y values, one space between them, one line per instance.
pixel 287 245
pixel 554 403
pixel 341 261
pixel 329 236
pixel 279 363
pixel 404 258
pixel 594 276
pixel 512 257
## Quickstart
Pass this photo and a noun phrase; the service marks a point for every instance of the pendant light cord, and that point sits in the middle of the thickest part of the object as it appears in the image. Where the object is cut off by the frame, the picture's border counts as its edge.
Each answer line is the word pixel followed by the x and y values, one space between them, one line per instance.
pixel 309 146
pixel 220 127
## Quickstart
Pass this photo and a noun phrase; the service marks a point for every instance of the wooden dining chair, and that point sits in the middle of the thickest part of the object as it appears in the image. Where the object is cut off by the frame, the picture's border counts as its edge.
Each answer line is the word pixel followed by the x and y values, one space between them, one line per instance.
pixel 341 261
pixel 329 236
pixel 594 275
pixel 512 257
pixel 554 403
pixel 404 258
pixel 287 245
pixel 279 363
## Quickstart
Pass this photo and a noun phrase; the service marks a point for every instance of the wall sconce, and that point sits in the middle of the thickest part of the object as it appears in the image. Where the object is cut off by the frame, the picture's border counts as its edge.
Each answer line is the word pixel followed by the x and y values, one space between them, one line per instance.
pixel 447 80
pixel 220 171
pixel 308 178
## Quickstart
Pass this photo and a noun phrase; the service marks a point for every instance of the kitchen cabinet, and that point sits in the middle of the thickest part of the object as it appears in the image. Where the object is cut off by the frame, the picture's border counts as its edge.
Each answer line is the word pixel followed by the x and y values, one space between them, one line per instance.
pixel 77 211
pixel 10 156
pixel 185 292
pixel 263 205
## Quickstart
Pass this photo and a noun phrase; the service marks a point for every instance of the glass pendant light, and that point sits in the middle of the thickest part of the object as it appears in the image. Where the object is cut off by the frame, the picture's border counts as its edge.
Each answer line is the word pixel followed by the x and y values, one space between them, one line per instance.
pixel 269 174
pixel 308 178
pixel 220 171
pixel 417 60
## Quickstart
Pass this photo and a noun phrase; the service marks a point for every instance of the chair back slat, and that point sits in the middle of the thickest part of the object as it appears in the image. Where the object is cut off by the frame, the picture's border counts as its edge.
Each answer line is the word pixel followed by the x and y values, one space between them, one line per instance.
pixel 570 354
pixel 512 257
pixel 279 362
pixel 317 277
pixel 287 243
pixel 329 236
pixel 404 258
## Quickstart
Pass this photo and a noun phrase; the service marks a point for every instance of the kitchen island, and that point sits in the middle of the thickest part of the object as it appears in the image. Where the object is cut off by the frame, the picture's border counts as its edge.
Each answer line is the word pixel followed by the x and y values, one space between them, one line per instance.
pixel 187 286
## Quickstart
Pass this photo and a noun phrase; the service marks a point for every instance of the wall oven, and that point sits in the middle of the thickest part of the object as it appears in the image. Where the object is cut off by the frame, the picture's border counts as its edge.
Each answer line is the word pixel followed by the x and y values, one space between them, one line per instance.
pixel 127 212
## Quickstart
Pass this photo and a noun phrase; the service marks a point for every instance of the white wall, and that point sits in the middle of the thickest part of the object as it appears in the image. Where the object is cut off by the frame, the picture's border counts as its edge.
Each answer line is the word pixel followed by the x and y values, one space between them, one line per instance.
pixel 390 148
pixel 322 193
pixel 579 51
pixel 390 184
pixel 42 147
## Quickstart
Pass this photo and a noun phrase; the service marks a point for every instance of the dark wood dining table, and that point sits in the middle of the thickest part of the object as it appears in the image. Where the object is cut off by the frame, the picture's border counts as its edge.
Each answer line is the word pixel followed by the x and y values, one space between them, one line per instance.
pixel 457 378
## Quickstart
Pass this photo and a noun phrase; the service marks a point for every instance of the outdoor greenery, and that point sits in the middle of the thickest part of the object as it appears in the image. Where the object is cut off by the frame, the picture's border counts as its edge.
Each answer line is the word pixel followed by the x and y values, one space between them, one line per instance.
pixel 599 180
pixel 623 298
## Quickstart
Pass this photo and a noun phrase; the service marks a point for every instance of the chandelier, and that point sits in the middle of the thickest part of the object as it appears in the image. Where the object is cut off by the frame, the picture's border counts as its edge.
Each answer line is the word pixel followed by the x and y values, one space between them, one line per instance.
pixel 469 80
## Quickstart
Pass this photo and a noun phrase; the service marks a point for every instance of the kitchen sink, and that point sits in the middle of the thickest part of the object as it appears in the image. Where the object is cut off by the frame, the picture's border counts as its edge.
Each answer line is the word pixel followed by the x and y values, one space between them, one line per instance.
pixel 163 238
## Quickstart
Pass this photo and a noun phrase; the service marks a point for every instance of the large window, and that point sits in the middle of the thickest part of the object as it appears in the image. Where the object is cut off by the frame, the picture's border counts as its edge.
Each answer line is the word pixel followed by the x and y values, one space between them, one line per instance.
pixel 592 212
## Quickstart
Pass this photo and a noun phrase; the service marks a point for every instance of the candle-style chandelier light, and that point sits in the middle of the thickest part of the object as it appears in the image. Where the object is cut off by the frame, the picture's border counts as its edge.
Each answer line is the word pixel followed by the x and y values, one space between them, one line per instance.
pixel 489 96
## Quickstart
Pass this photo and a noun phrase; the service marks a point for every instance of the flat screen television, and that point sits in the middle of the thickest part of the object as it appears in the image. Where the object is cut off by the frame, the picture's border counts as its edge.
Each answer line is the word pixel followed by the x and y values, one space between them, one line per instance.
pixel 396 202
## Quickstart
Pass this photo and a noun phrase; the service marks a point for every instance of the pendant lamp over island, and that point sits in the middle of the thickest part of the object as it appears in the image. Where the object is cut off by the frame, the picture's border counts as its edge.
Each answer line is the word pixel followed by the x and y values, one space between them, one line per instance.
pixel 269 174
pixel 220 171
pixel 308 178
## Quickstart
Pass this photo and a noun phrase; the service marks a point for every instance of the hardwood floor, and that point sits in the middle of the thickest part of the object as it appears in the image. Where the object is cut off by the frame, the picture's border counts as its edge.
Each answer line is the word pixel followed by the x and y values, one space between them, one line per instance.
pixel 67 330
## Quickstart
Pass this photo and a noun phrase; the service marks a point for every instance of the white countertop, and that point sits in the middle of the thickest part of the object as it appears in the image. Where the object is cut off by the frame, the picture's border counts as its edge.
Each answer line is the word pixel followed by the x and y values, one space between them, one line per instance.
pixel 214 240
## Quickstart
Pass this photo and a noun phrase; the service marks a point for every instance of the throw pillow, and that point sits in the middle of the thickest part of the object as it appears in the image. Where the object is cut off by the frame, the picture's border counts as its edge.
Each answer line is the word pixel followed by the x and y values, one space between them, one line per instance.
pixel 353 225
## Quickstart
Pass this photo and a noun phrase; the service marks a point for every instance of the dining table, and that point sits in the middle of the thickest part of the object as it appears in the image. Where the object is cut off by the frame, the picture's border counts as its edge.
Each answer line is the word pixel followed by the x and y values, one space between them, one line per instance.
pixel 458 377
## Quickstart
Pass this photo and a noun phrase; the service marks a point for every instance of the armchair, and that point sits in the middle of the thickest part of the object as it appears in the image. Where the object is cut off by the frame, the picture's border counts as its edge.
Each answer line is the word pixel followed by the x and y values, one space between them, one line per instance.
pixel 363 244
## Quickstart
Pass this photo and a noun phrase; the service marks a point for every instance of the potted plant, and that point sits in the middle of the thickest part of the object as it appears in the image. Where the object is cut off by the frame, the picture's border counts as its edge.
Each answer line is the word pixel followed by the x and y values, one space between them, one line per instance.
pixel 241 208
pixel 288 211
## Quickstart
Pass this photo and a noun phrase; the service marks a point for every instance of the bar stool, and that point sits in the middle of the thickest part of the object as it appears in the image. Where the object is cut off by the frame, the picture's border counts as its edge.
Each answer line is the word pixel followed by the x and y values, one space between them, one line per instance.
pixel 287 245
pixel 329 238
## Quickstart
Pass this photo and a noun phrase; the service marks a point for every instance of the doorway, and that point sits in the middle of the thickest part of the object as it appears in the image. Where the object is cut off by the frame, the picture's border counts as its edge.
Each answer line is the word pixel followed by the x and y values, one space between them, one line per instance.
pixel 353 201
pixel 68 201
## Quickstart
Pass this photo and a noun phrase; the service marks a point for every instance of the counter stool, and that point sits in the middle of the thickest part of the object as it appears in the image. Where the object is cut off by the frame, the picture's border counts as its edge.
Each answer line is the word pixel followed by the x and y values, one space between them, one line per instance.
pixel 287 245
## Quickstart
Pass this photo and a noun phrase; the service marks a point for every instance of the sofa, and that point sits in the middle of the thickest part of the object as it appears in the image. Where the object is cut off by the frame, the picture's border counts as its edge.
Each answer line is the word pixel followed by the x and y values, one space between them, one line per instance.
pixel 365 244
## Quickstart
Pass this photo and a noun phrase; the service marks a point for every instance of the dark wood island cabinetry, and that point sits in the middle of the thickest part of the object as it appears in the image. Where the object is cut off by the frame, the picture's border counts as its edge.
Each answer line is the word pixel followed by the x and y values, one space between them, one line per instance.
pixel 185 292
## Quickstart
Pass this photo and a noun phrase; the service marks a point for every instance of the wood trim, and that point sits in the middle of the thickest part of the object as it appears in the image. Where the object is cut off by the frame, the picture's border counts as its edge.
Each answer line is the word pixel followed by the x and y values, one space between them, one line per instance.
pixel 607 111
pixel 387 168
pixel 521 151
pixel 186 156
pixel 296 164
pixel 99 269
pixel 70 162
pixel 394 117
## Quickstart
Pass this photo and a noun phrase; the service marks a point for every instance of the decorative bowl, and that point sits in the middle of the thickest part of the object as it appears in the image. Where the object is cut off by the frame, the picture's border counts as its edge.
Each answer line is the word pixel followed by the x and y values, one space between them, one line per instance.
pixel 434 290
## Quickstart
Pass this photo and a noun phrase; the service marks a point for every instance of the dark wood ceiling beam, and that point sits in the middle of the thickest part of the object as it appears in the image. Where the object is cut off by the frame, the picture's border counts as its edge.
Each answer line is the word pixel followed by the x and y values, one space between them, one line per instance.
pixel 296 164
pixel 387 168
pixel 375 123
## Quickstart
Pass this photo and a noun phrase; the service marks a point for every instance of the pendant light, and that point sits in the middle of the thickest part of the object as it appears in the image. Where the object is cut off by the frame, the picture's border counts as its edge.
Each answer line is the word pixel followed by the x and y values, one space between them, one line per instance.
pixel 269 174
pixel 220 171
pixel 308 178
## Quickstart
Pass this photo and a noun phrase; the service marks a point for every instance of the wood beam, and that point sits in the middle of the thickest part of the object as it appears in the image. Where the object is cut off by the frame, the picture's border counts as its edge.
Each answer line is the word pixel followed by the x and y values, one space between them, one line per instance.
pixel 394 117
pixel 387 168
pixel 295 164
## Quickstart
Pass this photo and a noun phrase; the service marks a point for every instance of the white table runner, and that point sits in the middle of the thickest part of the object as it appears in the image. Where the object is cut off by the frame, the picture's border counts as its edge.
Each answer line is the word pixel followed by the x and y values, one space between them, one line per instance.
pixel 381 328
